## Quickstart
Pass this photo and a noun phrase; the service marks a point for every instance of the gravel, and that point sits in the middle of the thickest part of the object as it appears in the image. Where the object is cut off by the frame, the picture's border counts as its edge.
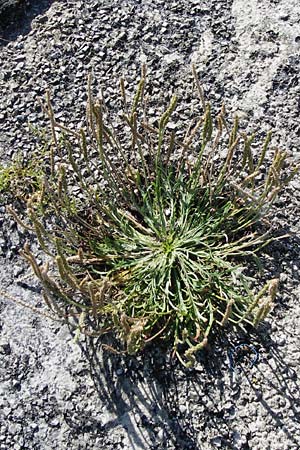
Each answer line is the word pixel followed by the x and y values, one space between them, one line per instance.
pixel 58 394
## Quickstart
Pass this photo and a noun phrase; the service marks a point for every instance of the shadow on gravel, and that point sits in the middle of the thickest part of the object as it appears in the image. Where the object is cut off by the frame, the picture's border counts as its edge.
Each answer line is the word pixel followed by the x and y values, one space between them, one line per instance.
pixel 142 396
pixel 146 395
pixel 16 20
pixel 283 384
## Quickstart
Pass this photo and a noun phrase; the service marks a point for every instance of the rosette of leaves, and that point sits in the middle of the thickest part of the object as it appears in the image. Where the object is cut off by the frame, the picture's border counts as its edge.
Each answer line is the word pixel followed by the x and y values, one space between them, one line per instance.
pixel 147 233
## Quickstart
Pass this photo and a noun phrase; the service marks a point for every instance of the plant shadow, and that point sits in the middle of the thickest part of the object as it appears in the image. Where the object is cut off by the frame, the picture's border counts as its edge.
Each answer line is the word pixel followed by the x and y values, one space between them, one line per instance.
pixel 284 384
pixel 159 402
pixel 141 394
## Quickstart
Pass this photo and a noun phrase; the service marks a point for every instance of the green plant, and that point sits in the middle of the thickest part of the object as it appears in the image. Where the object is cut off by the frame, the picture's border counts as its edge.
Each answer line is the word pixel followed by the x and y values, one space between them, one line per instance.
pixel 13 177
pixel 24 176
pixel 154 240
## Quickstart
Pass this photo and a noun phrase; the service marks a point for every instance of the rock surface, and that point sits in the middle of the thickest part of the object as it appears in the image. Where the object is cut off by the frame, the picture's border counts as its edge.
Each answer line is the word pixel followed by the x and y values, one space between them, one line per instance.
pixel 58 394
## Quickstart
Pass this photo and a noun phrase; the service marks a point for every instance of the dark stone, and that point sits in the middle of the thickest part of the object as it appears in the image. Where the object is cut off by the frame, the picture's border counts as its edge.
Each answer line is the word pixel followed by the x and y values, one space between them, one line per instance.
pixel 16 17
pixel 10 9
pixel 5 349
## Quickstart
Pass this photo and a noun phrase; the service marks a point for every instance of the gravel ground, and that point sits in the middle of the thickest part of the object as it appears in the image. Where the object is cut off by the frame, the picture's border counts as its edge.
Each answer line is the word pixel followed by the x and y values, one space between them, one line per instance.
pixel 59 395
